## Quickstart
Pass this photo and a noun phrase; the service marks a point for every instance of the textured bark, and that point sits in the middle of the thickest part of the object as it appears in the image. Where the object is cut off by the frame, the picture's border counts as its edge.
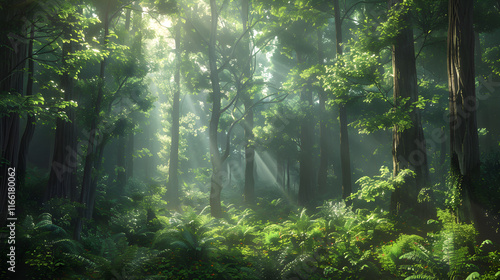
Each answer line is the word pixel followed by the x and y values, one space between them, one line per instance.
pixel 464 146
pixel 173 172
pixel 323 134
pixel 345 155
pixel 409 148
pixel 215 156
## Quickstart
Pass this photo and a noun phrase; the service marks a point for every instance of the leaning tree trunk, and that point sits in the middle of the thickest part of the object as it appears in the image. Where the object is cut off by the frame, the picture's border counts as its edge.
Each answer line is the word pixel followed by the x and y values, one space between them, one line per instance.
pixel 464 145
pixel 345 155
pixel 409 148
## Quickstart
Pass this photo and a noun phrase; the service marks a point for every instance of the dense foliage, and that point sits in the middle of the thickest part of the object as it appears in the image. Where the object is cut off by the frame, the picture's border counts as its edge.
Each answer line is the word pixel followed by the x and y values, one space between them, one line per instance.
pixel 249 139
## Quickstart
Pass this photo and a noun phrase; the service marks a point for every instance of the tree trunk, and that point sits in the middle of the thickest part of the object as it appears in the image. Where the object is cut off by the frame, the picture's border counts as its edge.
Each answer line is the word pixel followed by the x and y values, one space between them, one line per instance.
pixel 464 146
pixel 409 148
pixel 62 176
pixel 345 155
pixel 121 177
pixel 173 180
pixel 29 130
pixel 247 103
pixel 323 134
pixel 306 146
pixel 88 171
pixel 215 156
pixel 12 56
pixel 249 153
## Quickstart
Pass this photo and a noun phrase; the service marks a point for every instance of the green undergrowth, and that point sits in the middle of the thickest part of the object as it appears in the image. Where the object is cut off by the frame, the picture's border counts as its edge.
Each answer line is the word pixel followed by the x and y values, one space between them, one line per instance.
pixel 137 237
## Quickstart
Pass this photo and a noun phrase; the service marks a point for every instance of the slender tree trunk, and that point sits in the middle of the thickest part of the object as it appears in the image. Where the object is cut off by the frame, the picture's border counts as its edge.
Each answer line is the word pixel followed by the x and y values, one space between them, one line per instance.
pixel 129 156
pixel 121 177
pixel 409 148
pixel 323 134
pixel 249 153
pixel 306 146
pixel 464 145
pixel 95 179
pixel 215 156
pixel 173 180
pixel 247 103
pixel 288 175
pixel 345 155
pixel 29 130
pixel 90 158
pixel 62 176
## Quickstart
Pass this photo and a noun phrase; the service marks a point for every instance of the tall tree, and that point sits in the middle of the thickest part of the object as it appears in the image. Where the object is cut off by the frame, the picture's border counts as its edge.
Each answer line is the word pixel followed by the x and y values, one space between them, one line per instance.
pixel 215 156
pixel 409 148
pixel 464 145
pixel 13 56
pixel 345 155
pixel 323 133
pixel 62 178
pixel 173 172
pixel 93 150
pixel 29 129
pixel 248 122
pixel 306 140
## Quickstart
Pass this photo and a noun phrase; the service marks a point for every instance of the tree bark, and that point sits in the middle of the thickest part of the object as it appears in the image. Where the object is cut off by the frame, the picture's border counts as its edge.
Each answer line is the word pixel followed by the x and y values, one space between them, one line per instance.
pixel 409 148
pixel 464 145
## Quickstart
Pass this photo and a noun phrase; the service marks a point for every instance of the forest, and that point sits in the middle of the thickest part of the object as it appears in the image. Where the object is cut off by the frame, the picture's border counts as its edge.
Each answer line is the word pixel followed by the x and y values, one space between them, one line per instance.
pixel 250 139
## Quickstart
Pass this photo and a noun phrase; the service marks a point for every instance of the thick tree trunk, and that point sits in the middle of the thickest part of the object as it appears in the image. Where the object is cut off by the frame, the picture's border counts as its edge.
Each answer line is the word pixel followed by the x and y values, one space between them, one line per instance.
pixel 173 180
pixel 215 156
pixel 409 148
pixel 306 146
pixel 464 145
pixel 323 134
pixel 12 57
pixel 345 155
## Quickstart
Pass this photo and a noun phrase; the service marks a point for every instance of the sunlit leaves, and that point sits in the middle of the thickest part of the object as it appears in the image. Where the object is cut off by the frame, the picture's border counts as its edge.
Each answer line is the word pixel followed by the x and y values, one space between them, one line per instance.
pixel 352 72
pixel 380 186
